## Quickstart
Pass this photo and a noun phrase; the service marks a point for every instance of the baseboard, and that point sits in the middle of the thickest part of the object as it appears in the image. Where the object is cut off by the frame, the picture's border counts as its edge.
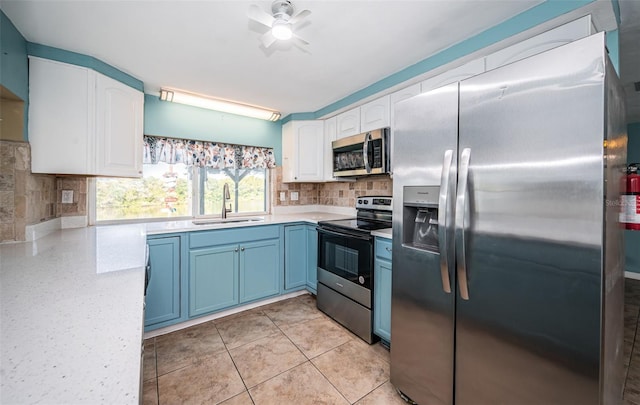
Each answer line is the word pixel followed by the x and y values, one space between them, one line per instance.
pixel 197 321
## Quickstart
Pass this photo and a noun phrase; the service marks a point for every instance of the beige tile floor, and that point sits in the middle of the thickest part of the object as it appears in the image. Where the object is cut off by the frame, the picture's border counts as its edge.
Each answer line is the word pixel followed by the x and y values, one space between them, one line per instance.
pixel 291 353
pixel 283 353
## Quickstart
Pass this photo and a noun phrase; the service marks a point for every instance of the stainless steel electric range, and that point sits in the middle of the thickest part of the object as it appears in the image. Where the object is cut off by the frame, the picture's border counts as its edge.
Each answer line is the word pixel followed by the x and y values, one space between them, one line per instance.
pixel 345 265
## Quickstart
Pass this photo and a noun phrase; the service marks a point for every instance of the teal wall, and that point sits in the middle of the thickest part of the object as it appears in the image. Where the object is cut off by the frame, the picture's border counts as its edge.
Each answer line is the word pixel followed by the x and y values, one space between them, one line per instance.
pixel 632 238
pixel 14 65
pixel 163 118
pixel 60 55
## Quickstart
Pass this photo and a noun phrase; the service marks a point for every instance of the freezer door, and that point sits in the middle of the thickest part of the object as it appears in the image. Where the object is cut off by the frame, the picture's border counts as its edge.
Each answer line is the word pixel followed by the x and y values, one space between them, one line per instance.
pixel 422 307
pixel 529 321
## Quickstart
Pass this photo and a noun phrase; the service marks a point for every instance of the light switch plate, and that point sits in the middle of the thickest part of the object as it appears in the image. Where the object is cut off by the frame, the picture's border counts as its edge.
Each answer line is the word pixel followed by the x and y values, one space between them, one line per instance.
pixel 67 196
pixel 283 197
pixel 294 196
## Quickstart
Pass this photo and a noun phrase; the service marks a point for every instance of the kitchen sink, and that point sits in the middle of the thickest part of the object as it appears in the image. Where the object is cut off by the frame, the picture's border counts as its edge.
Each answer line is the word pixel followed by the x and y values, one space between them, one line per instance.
pixel 212 221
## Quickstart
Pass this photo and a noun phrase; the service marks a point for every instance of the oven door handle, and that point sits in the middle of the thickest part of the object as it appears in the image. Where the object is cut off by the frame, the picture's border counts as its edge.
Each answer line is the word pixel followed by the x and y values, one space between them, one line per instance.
pixel 345 234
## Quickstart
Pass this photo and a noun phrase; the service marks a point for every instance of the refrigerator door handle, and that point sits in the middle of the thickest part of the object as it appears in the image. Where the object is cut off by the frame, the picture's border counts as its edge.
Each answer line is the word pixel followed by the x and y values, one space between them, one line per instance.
pixel 444 219
pixel 461 205
pixel 365 152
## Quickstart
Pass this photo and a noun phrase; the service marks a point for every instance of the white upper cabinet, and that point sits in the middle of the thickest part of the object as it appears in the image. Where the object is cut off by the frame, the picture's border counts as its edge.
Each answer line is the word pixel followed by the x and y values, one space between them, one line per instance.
pixel 119 128
pixel 61 103
pixel 395 98
pixel 330 135
pixel 81 122
pixel 561 35
pixel 398 96
pixel 348 123
pixel 454 75
pixel 375 114
pixel 303 151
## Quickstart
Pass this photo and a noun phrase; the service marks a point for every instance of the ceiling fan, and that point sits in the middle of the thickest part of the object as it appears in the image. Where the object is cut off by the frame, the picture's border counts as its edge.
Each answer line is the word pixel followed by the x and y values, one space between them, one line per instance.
pixel 281 21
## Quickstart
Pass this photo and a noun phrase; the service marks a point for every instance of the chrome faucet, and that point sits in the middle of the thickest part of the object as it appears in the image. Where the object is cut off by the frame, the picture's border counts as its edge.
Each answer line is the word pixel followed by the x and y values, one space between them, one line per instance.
pixel 225 197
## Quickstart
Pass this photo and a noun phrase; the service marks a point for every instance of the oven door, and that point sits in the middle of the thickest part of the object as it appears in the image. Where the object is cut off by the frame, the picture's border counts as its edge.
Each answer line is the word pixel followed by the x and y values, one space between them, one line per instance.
pixel 346 255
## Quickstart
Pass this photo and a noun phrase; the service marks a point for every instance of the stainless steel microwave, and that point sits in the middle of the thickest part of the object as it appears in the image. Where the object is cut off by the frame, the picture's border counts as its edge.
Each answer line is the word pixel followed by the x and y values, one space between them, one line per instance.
pixel 362 154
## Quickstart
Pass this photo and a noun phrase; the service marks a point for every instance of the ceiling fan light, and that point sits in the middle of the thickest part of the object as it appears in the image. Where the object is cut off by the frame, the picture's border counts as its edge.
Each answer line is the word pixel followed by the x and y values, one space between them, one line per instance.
pixel 281 30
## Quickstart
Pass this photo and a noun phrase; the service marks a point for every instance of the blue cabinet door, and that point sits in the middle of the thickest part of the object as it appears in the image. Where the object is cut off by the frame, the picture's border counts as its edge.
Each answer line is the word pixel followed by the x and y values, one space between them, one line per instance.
pixel 295 256
pixel 312 257
pixel 382 299
pixel 163 292
pixel 213 279
pixel 259 269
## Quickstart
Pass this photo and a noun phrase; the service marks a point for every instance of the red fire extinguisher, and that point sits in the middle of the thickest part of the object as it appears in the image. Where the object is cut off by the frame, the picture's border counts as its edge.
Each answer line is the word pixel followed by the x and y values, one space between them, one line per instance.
pixel 631 199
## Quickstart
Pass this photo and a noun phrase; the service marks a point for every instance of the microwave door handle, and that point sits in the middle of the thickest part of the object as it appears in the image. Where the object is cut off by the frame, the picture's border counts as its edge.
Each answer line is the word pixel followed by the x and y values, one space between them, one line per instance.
pixel 365 152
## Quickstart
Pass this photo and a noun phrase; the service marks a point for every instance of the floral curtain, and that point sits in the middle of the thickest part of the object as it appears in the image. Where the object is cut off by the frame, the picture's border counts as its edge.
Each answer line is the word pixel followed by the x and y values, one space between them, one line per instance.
pixel 207 154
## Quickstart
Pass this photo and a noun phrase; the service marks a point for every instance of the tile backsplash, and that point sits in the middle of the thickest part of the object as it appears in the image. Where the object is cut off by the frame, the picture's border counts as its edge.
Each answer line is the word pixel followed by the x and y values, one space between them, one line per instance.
pixel 340 193
pixel 27 198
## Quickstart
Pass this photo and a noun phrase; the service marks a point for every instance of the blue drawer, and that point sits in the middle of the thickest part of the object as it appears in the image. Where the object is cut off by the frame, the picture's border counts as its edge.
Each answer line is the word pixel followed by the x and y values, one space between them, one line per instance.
pixel 230 236
pixel 383 248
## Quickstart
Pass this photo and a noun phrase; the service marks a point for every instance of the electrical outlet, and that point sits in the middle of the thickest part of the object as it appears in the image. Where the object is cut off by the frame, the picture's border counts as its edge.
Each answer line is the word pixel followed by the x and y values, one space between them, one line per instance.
pixel 283 196
pixel 294 196
pixel 67 196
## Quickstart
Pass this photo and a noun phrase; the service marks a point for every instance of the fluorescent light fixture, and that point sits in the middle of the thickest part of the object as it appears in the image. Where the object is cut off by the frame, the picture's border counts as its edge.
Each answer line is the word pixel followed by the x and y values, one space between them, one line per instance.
pixel 218 105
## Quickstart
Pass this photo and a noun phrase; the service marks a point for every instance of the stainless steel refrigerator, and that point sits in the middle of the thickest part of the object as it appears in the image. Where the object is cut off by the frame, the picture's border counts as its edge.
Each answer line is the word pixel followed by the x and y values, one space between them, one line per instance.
pixel 507 283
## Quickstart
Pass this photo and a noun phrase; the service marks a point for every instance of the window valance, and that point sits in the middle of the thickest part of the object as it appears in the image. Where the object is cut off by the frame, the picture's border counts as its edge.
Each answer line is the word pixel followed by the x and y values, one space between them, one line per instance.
pixel 207 154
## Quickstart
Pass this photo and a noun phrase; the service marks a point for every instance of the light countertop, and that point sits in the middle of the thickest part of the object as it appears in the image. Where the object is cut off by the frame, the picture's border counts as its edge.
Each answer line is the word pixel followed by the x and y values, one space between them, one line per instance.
pixel 72 310
pixel 188 225
pixel 71 316
pixel 383 233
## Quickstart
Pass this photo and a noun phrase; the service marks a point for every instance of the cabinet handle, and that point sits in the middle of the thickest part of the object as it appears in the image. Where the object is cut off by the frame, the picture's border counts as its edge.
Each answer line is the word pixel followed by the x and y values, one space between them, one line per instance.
pixel 236 249
pixel 242 249
pixel 388 249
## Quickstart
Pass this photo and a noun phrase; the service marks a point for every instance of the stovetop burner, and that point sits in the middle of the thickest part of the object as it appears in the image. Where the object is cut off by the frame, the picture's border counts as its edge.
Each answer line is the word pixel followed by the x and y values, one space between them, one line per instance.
pixel 373 213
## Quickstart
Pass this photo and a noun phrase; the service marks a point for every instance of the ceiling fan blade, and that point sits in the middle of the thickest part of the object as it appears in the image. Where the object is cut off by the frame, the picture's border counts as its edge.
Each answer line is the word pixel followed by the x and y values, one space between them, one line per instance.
pixel 299 41
pixel 267 39
pixel 299 17
pixel 257 14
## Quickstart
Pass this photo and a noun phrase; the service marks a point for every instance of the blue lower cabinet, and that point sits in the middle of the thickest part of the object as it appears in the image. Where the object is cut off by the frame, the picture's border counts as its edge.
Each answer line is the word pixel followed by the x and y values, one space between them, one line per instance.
pixel 382 289
pixel 295 256
pixel 312 257
pixel 259 269
pixel 163 292
pixel 213 279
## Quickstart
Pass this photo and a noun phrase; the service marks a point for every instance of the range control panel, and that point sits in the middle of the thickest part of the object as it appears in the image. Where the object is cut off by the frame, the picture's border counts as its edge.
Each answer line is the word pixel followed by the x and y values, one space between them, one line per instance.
pixel 384 203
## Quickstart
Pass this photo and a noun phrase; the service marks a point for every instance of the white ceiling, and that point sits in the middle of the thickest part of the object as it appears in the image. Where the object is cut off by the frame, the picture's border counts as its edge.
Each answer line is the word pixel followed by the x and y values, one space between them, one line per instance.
pixel 211 47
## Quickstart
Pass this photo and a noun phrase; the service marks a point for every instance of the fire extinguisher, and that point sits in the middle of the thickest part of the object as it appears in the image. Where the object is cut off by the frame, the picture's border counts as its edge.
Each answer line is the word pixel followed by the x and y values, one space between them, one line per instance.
pixel 631 199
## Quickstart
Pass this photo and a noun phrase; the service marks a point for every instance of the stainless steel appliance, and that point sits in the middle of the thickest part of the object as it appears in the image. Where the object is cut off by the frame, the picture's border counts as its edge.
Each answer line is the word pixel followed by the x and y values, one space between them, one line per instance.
pixel 361 154
pixel 507 254
pixel 345 265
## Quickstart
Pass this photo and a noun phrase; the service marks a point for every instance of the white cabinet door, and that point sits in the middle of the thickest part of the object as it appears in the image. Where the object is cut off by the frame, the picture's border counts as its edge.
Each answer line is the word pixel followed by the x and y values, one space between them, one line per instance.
pixel 551 39
pixel 348 123
pixel 395 98
pixel 119 129
pixel 330 134
pixel 375 114
pixel 454 75
pixel 303 151
pixel 61 105
pixel 82 122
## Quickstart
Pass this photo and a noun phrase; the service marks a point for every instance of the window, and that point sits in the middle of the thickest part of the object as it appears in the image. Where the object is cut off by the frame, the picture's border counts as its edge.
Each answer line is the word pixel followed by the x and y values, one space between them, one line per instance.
pixel 185 178
pixel 164 191
pixel 248 190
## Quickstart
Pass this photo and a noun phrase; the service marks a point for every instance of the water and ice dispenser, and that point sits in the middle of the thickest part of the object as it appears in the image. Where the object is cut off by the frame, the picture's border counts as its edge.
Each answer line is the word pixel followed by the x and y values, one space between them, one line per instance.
pixel 420 217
